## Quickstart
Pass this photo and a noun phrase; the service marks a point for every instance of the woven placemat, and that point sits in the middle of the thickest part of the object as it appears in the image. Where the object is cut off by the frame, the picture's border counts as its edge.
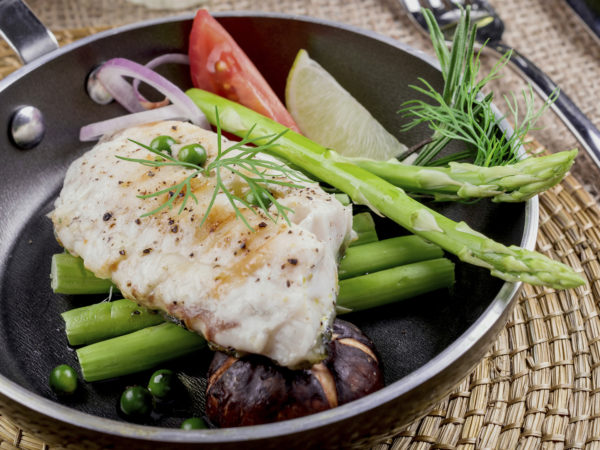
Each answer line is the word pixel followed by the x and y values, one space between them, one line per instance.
pixel 539 385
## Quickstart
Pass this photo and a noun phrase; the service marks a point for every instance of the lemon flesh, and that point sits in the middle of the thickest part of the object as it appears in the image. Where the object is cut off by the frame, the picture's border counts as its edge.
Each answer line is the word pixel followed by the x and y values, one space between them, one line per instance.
pixel 332 117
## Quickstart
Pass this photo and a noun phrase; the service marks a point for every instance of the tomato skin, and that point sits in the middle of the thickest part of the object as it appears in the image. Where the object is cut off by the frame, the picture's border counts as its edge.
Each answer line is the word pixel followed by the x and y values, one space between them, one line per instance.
pixel 219 65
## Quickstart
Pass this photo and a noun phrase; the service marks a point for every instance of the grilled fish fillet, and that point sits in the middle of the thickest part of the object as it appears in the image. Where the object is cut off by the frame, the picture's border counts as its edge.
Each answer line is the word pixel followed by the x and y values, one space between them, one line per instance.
pixel 270 292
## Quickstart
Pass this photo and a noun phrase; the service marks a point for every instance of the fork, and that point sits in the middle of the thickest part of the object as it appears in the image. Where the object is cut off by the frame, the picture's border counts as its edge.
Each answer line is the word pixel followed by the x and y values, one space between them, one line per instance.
pixel 489 31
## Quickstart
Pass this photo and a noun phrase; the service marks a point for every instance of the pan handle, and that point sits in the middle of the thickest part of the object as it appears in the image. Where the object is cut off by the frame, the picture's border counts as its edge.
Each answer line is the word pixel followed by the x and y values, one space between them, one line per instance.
pixel 24 32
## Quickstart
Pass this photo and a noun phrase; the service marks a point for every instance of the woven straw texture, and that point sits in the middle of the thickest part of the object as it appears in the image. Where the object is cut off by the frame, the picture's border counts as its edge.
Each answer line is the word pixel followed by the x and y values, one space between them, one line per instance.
pixel 539 385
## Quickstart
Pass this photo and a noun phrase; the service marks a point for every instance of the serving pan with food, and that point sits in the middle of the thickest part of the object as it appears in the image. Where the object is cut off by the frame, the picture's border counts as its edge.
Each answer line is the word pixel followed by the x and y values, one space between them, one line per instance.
pixel 236 230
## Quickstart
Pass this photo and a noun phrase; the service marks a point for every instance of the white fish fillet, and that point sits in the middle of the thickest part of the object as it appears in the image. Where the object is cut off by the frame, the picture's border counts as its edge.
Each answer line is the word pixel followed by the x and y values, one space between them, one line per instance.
pixel 270 292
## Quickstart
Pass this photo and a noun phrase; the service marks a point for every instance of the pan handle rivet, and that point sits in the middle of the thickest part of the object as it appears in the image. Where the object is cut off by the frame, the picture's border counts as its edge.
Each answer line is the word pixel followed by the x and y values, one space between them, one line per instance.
pixel 27 127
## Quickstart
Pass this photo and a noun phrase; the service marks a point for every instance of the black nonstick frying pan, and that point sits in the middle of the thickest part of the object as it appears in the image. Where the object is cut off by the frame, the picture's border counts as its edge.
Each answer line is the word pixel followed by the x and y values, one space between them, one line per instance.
pixel 426 344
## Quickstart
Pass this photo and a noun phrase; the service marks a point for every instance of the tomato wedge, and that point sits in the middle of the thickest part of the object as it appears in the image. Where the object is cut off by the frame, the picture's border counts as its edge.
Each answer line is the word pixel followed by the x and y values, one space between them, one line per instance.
pixel 219 65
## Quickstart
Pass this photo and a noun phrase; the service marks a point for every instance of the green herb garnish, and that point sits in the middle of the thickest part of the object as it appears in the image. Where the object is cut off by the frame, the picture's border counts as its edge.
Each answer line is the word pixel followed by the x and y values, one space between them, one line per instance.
pixel 461 111
pixel 258 174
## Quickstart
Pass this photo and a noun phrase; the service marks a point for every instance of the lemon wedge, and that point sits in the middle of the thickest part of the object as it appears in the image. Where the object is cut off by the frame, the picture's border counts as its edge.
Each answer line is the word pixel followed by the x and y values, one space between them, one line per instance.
pixel 329 115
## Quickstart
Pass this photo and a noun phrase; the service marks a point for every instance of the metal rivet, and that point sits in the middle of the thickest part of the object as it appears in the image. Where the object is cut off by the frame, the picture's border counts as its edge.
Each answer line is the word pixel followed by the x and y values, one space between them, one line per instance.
pixel 27 127
pixel 95 90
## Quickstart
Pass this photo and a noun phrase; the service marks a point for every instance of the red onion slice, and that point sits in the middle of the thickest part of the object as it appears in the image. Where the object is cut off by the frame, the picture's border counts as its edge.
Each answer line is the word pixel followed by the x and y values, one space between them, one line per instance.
pixel 168 58
pixel 96 130
pixel 111 75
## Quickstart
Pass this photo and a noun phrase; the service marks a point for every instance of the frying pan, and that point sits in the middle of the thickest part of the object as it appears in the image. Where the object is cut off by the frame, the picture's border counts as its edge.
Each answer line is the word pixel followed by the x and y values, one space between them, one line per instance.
pixel 426 344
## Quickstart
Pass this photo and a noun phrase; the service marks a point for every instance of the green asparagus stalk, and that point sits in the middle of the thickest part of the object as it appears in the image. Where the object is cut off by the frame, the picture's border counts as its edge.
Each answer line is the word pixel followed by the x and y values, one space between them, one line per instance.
pixel 105 320
pixel 462 181
pixel 93 323
pixel 69 276
pixel 342 198
pixel 398 283
pixel 370 256
pixel 364 227
pixel 155 345
pixel 384 254
pixel 89 324
pixel 509 263
pixel 137 351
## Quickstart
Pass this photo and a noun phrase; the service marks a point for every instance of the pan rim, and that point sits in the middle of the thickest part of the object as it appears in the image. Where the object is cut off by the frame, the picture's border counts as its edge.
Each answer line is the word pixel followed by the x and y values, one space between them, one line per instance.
pixel 451 354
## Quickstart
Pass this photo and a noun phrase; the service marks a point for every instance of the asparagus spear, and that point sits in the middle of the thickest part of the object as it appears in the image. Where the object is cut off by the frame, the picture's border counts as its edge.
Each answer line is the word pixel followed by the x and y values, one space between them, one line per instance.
pixel 152 346
pixel 360 259
pixel 137 351
pixel 462 181
pixel 69 276
pixel 399 256
pixel 342 198
pixel 371 255
pixel 104 320
pixel 509 263
pixel 364 226
pixel 398 283
pixel 380 255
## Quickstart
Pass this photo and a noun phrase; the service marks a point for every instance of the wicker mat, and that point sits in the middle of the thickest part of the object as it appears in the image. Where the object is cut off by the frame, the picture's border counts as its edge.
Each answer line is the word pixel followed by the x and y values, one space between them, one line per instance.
pixel 539 386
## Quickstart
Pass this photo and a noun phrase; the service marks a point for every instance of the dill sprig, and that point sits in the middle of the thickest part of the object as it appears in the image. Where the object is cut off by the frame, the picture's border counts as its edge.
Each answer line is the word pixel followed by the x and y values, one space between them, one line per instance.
pixel 461 112
pixel 239 159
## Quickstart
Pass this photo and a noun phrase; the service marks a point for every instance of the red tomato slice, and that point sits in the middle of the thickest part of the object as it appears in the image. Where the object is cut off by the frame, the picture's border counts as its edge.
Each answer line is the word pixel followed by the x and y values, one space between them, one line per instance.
pixel 219 65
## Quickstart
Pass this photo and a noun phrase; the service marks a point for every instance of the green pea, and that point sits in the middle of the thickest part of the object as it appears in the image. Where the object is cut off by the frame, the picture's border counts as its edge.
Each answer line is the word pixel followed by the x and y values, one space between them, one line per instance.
pixel 253 199
pixel 63 379
pixel 162 143
pixel 161 383
pixel 193 423
pixel 193 154
pixel 136 401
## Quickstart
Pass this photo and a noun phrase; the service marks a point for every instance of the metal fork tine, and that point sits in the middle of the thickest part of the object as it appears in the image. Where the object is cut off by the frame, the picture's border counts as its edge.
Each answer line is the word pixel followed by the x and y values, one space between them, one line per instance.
pixel 443 8
pixel 440 7
pixel 436 4
pixel 413 6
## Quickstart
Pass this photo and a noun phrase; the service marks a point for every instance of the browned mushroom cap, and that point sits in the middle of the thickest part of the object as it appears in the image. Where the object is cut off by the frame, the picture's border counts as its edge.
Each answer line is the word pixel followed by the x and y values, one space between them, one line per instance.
pixel 252 390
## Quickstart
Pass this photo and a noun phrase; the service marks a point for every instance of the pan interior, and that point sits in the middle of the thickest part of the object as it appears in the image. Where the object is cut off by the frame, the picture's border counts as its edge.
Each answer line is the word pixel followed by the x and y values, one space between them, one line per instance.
pixel 407 335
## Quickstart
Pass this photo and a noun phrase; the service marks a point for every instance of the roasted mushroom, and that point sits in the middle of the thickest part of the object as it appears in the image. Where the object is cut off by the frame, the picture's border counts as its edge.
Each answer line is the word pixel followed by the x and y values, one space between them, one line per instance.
pixel 252 390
